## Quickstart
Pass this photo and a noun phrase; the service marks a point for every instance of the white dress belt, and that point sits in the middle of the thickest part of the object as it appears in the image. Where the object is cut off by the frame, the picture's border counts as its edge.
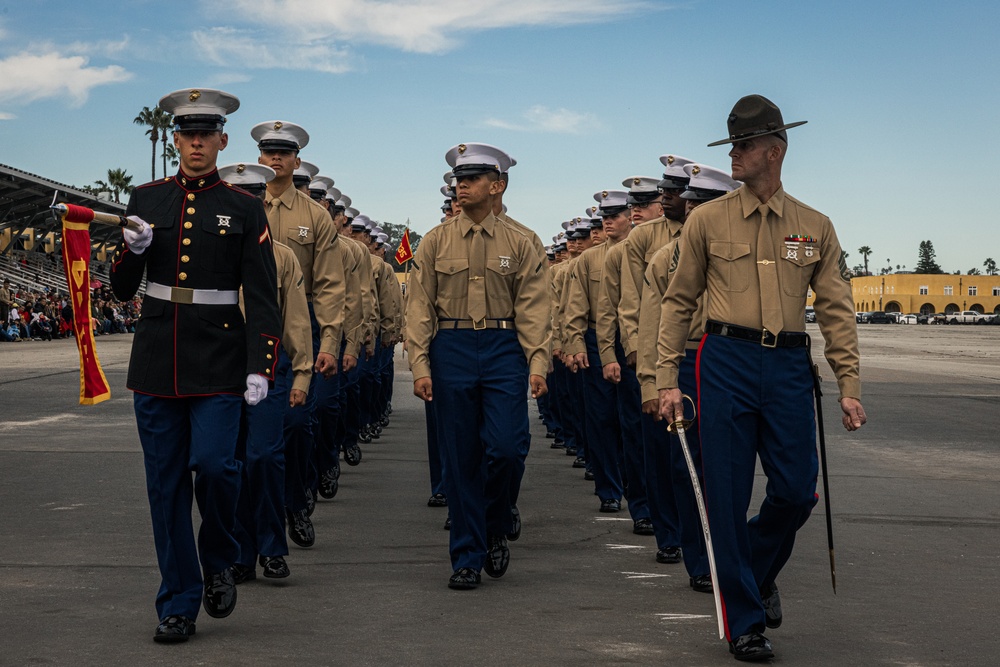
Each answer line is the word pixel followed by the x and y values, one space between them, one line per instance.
pixel 202 297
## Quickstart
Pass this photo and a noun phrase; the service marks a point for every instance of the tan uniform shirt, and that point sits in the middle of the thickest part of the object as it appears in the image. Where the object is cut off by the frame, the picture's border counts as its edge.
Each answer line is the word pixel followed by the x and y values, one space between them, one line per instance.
pixel 516 287
pixel 386 299
pixel 296 329
pixel 584 289
pixel 306 228
pixel 562 291
pixel 657 279
pixel 640 246
pixel 556 275
pixel 608 302
pixel 357 266
pixel 718 256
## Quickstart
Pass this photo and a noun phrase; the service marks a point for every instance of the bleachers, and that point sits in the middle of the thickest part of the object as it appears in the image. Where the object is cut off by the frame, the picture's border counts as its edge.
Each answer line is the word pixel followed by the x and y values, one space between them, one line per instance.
pixel 39 274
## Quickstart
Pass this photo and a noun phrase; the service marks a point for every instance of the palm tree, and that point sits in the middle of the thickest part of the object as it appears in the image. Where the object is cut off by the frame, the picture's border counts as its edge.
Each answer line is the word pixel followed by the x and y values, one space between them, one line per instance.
pixel 990 266
pixel 170 154
pixel 865 251
pixel 119 182
pixel 157 120
pixel 166 122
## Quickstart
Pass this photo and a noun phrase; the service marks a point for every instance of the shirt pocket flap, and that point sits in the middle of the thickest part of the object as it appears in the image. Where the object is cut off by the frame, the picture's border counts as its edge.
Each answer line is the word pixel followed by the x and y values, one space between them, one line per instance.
pixel 728 250
pixel 452 267
pixel 800 258
pixel 222 225
pixel 300 235
pixel 504 266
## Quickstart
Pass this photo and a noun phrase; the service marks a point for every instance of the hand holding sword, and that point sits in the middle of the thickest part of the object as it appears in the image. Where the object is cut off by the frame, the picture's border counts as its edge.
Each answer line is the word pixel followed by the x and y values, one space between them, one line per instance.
pixel 672 409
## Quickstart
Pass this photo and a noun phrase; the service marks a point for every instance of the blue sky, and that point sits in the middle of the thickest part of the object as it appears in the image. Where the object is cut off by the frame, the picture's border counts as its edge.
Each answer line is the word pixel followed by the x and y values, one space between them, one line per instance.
pixel 900 98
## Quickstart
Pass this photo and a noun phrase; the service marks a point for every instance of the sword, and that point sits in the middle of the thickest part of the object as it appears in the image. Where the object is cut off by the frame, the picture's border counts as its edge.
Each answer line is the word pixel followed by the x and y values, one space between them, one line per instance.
pixel 74 213
pixel 678 428
pixel 826 477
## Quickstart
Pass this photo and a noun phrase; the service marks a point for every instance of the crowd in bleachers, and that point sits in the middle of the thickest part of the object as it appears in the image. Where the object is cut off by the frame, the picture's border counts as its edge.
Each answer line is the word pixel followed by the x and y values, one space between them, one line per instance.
pixel 35 305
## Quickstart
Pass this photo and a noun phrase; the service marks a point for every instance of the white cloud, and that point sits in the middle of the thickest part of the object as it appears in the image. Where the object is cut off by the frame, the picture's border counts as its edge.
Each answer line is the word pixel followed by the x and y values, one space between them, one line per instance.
pixel 106 48
pixel 423 26
pixel 7 116
pixel 28 77
pixel 229 46
pixel 542 119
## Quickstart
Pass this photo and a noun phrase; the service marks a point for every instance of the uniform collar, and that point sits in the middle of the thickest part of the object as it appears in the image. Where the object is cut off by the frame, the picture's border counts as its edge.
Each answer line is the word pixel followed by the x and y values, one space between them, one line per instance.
pixel 286 197
pixel 198 182
pixel 465 223
pixel 750 203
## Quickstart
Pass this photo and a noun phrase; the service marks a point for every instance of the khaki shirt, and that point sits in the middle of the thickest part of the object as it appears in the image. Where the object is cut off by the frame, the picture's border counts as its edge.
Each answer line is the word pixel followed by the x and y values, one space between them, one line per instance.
pixel 640 246
pixel 307 228
pixel 536 242
pixel 352 257
pixel 657 279
pixel 584 287
pixel 555 281
pixel 607 303
pixel 516 287
pixel 562 294
pixel 386 299
pixel 718 256
pixel 296 329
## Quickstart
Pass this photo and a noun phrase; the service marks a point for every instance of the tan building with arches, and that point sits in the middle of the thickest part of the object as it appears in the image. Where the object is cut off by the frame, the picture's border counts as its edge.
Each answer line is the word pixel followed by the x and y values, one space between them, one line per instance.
pixel 926 293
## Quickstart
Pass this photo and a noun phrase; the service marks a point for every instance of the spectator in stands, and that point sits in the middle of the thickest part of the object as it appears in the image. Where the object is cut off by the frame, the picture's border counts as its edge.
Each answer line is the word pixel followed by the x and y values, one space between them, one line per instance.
pixel 11 333
pixel 66 318
pixel 41 327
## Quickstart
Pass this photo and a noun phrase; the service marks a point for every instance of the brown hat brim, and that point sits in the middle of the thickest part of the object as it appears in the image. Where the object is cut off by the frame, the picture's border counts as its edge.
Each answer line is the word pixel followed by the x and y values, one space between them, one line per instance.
pixel 754 135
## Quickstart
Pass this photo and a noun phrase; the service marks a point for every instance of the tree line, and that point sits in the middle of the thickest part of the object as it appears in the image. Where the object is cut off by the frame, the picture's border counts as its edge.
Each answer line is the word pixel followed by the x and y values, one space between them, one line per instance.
pixel 926 263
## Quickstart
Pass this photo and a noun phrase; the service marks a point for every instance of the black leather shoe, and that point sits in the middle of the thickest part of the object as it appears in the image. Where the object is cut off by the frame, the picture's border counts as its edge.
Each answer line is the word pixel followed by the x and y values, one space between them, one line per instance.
pixel 772 606
pixel 310 502
pixel 580 462
pixel 300 529
pixel 669 555
pixel 515 518
pixel 550 434
pixel 497 556
pixel 611 505
pixel 557 444
pixel 751 646
pixel 447 523
pixel 353 453
pixel 173 630
pixel 464 579
pixel 383 422
pixel 588 476
pixel 642 527
pixel 702 583
pixel 571 451
pixel 243 573
pixel 329 483
pixel 363 436
pixel 220 594
pixel 437 500
pixel 275 567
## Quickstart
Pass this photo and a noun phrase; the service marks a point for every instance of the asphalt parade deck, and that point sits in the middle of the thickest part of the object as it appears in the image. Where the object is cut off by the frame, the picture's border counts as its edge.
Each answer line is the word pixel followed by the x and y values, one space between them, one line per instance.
pixel 914 497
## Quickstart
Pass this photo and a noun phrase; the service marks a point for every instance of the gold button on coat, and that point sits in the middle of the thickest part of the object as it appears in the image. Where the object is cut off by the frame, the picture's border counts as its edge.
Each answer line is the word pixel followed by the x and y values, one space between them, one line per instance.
pixel 190 196
pixel 182 275
pixel 185 259
pixel 188 225
pixel 186 241
pixel 190 211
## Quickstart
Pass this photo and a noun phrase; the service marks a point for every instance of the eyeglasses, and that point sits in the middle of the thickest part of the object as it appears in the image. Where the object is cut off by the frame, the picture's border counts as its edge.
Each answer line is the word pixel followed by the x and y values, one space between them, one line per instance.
pixel 642 204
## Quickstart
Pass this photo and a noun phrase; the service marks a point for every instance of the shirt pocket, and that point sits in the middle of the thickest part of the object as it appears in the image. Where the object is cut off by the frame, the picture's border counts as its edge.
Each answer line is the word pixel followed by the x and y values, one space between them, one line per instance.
pixel 796 272
pixel 452 278
pixel 729 265
pixel 303 236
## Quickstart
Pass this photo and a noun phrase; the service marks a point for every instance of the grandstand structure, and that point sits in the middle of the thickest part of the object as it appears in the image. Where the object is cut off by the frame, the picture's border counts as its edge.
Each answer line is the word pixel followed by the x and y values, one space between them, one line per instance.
pixel 31 237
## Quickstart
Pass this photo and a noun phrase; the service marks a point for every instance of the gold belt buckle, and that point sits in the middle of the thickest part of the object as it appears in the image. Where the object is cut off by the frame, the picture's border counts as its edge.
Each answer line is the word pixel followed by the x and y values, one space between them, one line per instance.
pixel 479 328
pixel 182 295
pixel 763 339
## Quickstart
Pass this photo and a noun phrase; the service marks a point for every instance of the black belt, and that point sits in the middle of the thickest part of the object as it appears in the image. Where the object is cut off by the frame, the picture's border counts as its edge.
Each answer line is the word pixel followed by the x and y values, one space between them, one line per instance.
pixel 761 337
pixel 482 324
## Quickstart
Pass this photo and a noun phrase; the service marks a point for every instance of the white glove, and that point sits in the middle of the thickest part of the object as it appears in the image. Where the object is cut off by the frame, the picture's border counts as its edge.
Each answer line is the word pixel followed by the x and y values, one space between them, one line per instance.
pixel 138 241
pixel 256 389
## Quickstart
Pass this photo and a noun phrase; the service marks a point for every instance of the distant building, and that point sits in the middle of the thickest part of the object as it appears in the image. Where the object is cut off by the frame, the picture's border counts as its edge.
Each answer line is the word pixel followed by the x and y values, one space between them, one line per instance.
pixel 925 293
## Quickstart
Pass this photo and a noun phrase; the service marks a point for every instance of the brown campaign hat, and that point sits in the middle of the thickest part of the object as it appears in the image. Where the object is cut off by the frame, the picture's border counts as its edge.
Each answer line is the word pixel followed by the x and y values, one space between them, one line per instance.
pixel 755 116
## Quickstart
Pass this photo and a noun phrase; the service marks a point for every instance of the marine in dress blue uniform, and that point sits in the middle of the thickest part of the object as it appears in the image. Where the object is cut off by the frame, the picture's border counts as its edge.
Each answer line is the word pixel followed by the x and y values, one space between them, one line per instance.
pixel 194 357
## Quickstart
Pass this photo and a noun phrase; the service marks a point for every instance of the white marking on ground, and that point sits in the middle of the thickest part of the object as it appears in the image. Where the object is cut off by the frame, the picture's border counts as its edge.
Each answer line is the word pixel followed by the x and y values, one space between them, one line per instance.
pixel 682 617
pixel 611 518
pixel 11 426
pixel 644 575
pixel 624 546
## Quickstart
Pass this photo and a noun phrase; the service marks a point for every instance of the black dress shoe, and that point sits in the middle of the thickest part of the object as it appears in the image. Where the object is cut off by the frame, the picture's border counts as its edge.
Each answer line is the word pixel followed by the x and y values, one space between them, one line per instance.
pixel 751 646
pixel 772 606
pixel 611 505
pixel 588 476
pixel 310 502
pixel 173 630
pixel 437 500
pixel 669 555
pixel 220 594
pixel 571 451
pixel 363 436
pixel 557 444
pixel 550 434
pixel 244 573
pixel 329 483
pixel 642 527
pixel 447 523
pixel 275 567
pixel 353 453
pixel 580 462
pixel 464 579
pixel 702 583
pixel 497 556
pixel 515 519
pixel 300 529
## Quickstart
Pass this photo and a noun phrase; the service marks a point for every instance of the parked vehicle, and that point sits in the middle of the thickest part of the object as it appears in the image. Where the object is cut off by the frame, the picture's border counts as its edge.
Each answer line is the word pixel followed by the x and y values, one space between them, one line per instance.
pixel 939 318
pixel 908 319
pixel 967 317
pixel 864 318
pixel 880 317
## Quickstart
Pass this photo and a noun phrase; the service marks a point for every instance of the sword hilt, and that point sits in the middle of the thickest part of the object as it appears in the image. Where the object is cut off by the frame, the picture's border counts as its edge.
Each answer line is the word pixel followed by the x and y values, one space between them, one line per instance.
pixel 684 423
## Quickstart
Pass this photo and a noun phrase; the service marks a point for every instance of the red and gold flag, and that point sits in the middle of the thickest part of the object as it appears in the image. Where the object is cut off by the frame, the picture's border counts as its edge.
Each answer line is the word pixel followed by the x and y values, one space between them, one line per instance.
pixel 404 253
pixel 76 260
